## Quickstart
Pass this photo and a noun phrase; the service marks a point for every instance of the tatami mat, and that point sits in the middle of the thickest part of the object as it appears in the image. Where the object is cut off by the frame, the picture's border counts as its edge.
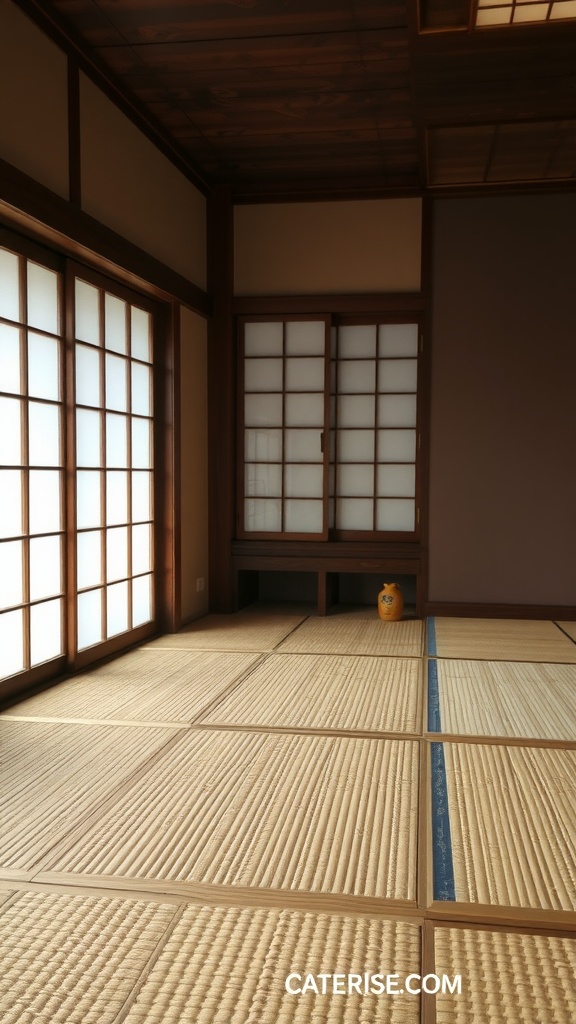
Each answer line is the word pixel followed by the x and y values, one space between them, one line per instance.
pixel 307 813
pixel 74 959
pixel 341 634
pixel 150 685
pixel 513 825
pixel 327 692
pixel 506 699
pixel 502 640
pixel 54 775
pixel 244 631
pixel 570 628
pixel 229 966
pixel 506 977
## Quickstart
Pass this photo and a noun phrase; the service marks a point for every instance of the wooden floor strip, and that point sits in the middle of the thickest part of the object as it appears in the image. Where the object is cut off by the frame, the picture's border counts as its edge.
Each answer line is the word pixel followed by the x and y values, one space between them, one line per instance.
pixel 307 813
pixel 326 692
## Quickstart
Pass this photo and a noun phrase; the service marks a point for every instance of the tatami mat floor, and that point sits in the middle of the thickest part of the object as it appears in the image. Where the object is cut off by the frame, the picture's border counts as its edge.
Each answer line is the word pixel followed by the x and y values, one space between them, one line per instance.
pixel 274 818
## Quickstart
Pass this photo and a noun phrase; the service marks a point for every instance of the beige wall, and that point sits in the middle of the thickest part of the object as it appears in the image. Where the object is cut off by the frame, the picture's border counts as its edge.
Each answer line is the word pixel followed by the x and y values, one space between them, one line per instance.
pixel 503 428
pixel 131 187
pixel 194 463
pixel 33 101
pixel 333 247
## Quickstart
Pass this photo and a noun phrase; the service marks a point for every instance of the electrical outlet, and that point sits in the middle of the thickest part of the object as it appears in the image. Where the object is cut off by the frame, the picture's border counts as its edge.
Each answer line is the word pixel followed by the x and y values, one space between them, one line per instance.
pixel 199 584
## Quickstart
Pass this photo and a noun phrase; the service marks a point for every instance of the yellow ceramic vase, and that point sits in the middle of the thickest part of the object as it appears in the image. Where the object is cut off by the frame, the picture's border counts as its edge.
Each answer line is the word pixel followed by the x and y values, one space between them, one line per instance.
pixel 390 602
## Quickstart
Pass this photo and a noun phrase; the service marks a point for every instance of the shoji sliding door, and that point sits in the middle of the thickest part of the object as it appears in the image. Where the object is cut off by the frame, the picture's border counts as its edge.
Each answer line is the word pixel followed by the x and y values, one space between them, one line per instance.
pixel 329 429
pixel 77 464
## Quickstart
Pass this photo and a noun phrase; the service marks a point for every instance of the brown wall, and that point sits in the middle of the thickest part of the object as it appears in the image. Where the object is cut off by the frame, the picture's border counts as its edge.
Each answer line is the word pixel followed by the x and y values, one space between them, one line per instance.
pixel 503 425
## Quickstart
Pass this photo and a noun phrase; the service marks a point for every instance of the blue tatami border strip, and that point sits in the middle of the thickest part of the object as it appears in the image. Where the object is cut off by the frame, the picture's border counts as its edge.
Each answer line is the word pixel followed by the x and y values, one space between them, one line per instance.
pixel 434 719
pixel 431 637
pixel 444 888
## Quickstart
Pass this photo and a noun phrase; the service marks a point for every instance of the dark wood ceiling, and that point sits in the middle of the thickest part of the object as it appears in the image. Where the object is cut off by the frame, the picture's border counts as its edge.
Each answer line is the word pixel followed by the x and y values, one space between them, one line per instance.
pixel 333 97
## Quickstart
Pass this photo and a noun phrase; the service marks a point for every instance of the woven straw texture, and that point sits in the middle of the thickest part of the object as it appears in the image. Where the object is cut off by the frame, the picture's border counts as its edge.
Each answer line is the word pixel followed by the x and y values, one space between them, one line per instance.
pixel 74 959
pixel 494 698
pixel 503 640
pixel 159 686
pixel 230 967
pixel 327 692
pixel 570 628
pixel 340 634
pixel 53 776
pixel 507 978
pixel 311 813
pixel 245 631
pixel 513 825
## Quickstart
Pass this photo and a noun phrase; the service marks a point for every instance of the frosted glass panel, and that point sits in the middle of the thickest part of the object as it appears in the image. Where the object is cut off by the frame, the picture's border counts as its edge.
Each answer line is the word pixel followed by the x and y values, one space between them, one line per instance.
pixel 45 631
pixel 262 514
pixel 263 375
pixel 89 619
pixel 43 368
pixel 88 511
pixel 263 446
pixel 396 445
pixel 44 502
pixel 354 514
pixel 11 582
pixel 141 390
pixel 355 411
pixel 394 514
pixel 43 434
pixel 10 288
pixel 263 480
pixel 397 375
pixel 87 313
pixel 302 446
pixel 141 444
pixel 141 600
pixel 355 445
pixel 357 341
pixel 303 516
pixel 11 643
pixel 89 559
pixel 87 376
pixel 10 432
pixel 116 553
pixel 357 376
pixel 45 567
pixel 116 440
pixel 305 375
pixel 11 503
pixel 263 339
pixel 141 549
pixel 117 609
pixel 141 497
pixel 398 340
pixel 305 338
pixel 10 359
pixel 304 481
pixel 399 481
pixel 116 497
pixel 115 323
pixel 397 411
pixel 263 410
pixel 116 383
pixel 88 426
pixel 141 327
pixel 42 298
pixel 355 480
pixel 304 411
